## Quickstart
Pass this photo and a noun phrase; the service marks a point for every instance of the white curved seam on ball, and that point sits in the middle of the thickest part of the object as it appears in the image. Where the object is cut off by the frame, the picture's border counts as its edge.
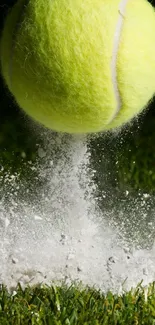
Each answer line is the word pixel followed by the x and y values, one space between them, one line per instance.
pixel 117 36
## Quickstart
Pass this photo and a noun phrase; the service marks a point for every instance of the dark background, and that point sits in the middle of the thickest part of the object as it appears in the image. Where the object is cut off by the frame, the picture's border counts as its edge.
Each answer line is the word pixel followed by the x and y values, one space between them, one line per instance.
pixel 128 157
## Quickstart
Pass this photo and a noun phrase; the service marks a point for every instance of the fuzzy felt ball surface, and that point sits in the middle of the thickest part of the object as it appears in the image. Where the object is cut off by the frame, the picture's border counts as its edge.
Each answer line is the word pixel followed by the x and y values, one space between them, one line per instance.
pixel 80 66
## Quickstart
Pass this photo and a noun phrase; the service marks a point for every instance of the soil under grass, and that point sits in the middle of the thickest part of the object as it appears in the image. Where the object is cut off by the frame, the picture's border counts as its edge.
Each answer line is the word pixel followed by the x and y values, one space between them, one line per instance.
pixel 44 305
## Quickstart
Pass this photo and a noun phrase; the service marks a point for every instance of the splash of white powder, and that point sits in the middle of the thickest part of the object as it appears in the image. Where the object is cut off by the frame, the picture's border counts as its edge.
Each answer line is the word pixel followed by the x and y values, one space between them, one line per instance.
pixel 54 231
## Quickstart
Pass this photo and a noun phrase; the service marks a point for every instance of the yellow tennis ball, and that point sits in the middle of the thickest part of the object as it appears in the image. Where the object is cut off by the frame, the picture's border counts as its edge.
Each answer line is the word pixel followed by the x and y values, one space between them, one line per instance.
pixel 80 66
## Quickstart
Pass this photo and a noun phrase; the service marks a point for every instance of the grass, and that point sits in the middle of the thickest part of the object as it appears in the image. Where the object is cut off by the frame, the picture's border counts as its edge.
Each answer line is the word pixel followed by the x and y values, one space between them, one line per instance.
pixel 135 160
pixel 128 157
pixel 54 305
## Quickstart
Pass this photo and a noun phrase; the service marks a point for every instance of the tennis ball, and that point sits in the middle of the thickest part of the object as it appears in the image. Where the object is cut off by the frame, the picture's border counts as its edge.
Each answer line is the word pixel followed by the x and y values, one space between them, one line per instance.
pixel 80 66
